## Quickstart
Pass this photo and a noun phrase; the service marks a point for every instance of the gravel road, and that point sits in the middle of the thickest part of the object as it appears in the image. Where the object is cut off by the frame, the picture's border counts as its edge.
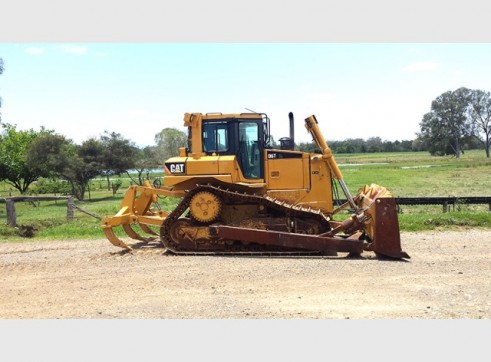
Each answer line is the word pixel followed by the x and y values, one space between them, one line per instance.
pixel 447 277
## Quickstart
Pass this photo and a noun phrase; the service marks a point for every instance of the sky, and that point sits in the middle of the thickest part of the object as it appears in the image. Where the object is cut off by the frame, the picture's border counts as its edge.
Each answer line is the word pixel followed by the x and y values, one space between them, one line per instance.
pixel 355 90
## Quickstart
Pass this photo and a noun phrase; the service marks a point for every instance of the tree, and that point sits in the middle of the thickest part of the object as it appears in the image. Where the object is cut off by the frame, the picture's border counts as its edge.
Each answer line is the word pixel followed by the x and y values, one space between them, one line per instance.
pixel 14 146
pixel 374 144
pixel 480 113
pixel 434 136
pixel 445 127
pixel 90 163
pixel 118 156
pixel 272 143
pixel 146 160
pixel 168 142
pixel 50 155
pixel 310 147
pixel 407 146
pixel 55 156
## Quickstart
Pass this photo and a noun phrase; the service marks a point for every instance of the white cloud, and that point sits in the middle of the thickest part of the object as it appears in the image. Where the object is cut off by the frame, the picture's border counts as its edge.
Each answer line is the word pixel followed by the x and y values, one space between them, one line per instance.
pixel 75 49
pixel 420 67
pixel 34 50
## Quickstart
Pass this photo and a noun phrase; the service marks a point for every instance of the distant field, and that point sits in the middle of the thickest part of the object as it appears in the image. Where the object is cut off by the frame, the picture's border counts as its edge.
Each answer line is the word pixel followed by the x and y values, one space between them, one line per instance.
pixel 405 174
pixel 419 174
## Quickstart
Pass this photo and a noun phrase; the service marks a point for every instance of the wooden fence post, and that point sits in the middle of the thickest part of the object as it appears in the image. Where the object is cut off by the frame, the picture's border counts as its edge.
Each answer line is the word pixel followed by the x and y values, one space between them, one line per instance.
pixel 70 208
pixel 11 216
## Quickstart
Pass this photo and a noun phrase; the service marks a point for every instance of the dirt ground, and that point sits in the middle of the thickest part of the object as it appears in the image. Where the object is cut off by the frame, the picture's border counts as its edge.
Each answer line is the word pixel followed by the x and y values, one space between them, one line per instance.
pixel 447 277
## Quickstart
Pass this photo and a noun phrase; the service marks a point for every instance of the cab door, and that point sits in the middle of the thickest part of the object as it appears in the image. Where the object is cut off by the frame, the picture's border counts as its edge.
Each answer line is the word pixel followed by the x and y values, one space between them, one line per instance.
pixel 249 149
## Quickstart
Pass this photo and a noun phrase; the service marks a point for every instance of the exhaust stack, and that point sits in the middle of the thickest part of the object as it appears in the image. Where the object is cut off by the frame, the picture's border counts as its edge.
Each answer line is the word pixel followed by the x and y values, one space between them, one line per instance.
pixel 288 143
pixel 292 129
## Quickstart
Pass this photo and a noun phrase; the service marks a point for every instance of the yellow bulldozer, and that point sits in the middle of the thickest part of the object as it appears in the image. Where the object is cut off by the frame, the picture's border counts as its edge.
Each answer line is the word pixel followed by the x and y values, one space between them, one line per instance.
pixel 238 195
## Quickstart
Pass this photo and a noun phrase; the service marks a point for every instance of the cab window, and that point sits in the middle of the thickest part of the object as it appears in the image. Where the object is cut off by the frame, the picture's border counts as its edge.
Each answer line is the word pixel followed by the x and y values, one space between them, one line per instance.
pixel 215 137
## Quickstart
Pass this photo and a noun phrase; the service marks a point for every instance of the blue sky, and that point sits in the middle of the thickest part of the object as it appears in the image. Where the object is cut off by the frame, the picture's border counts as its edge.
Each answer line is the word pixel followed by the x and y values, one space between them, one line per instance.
pixel 137 89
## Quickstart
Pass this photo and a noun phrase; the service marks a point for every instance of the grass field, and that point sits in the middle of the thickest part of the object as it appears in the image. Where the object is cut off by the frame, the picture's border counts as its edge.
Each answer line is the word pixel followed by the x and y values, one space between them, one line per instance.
pixel 405 174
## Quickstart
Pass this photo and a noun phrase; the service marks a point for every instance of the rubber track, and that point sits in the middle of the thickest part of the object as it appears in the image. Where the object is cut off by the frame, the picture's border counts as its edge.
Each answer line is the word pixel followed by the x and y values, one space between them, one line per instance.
pixel 237 197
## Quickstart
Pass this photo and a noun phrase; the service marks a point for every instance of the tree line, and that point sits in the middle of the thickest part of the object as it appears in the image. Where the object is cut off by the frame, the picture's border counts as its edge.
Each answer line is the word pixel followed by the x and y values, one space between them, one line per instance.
pixel 359 145
pixel 376 144
pixel 28 155
pixel 458 120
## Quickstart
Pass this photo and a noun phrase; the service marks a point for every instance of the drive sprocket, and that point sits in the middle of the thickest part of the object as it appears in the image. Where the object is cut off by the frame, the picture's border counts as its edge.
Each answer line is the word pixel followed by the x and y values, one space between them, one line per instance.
pixel 205 206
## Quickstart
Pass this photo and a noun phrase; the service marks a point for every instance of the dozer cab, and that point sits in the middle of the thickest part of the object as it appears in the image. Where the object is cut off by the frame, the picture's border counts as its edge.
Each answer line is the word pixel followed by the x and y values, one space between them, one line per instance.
pixel 239 195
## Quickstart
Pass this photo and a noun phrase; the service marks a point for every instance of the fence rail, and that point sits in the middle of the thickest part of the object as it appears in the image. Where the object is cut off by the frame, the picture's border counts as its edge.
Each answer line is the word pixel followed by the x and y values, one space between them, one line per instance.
pixel 446 202
pixel 71 207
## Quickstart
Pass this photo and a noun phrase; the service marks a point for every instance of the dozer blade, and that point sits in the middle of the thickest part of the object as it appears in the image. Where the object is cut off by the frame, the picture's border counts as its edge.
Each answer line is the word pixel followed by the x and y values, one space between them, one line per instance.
pixel 385 231
pixel 114 239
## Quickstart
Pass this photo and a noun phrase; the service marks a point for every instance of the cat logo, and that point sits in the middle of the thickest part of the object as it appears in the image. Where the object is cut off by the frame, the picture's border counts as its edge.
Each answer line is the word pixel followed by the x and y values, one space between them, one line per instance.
pixel 176 167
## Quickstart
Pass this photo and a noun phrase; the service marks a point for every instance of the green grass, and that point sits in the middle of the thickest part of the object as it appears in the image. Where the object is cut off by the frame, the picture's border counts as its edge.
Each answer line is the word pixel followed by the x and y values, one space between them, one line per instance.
pixel 49 218
pixel 419 174
pixel 405 174
pixel 455 220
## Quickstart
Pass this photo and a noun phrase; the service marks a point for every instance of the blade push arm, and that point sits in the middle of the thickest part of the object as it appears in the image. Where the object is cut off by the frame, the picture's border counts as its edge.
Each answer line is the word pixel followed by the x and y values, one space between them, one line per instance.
pixel 312 126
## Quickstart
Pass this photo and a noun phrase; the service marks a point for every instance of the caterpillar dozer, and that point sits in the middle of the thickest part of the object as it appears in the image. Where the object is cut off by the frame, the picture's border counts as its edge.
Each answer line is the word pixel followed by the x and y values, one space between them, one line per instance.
pixel 238 195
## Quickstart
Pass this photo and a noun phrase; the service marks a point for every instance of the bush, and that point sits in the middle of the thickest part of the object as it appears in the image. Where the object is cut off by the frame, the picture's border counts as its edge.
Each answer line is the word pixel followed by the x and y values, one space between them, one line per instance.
pixel 45 186
pixel 116 185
